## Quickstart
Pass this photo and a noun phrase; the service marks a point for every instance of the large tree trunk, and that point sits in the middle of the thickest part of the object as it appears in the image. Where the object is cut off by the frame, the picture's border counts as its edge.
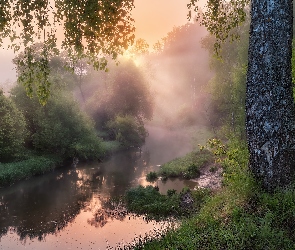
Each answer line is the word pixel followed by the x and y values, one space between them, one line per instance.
pixel 269 101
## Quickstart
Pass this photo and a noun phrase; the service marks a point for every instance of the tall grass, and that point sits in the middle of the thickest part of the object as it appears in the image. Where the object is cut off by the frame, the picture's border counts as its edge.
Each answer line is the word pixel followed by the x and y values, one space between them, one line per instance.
pixel 36 165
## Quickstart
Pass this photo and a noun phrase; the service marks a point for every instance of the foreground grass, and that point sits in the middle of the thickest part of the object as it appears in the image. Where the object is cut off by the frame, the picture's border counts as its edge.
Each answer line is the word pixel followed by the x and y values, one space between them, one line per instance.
pixel 16 171
pixel 240 216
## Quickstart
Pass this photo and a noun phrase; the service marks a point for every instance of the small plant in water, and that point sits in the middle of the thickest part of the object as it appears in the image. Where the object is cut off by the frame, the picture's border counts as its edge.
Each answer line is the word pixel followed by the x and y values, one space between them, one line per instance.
pixel 151 176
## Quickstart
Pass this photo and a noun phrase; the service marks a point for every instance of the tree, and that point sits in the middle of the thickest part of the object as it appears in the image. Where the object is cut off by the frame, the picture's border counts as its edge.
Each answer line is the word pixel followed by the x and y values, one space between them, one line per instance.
pixel 228 85
pixel 128 131
pixel 127 93
pixel 59 127
pixel 12 130
pixel 92 29
pixel 270 123
pixel 269 103
pixel 140 47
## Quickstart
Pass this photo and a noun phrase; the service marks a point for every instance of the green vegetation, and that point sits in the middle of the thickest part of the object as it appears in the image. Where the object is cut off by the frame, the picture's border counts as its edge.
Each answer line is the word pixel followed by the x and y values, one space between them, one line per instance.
pixel 152 176
pixel 187 166
pixel 120 103
pixel 240 216
pixel 59 128
pixel 148 200
pixel 128 132
pixel 35 165
pixel 12 130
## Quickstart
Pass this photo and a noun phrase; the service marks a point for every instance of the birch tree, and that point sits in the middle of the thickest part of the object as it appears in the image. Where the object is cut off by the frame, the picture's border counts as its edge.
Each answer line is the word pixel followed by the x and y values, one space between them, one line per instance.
pixel 269 98
pixel 269 95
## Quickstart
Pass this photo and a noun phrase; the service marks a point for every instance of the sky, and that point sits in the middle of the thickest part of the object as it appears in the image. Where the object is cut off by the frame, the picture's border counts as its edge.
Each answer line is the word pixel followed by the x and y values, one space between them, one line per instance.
pixel 153 20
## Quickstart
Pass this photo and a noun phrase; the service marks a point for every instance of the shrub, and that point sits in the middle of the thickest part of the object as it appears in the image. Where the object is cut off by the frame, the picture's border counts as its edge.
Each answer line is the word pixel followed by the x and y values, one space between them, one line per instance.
pixel 187 166
pixel 193 171
pixel 151 176
pixel 12 130
pixel 59 127
pixel 128 131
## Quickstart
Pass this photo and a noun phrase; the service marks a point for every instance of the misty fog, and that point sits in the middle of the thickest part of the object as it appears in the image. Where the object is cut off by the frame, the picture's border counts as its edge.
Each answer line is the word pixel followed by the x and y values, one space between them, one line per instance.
pixel 150 107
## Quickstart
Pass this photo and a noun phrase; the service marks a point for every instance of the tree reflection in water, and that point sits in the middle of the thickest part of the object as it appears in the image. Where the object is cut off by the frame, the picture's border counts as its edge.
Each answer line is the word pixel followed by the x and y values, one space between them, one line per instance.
pixel 110 210
pixel 47 204
pixel 61 208
pixel 42 205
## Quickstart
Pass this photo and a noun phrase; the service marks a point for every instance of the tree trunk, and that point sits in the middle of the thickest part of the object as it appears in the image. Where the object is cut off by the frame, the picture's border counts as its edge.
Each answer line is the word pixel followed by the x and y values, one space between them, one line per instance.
pixel 269 100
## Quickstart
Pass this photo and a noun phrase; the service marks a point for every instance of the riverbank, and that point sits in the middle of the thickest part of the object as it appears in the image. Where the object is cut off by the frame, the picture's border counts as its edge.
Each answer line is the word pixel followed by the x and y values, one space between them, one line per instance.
pixel 240 215
pixel 198 165
pixel 33 165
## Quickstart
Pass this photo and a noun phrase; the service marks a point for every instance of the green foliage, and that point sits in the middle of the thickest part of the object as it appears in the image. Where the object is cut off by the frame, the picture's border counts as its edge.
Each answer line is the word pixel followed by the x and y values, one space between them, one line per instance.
pixel 240 216
pixel 228 86
pixel 59 127
pixel 144 200
pixel 148 200
pixel 187 166
pixel 193 171
pixel 92 29
pixel 221 18
pixel 111 146
pixel 128 131
pixel 12 130
pixel 41 73
pixel 171 192
pixel 36 165
pixel 152 176
pixel 125 92
pixel 33 71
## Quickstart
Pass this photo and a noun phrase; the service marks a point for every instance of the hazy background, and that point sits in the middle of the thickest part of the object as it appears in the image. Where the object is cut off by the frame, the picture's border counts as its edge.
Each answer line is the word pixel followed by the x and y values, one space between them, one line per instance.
pixel 153 20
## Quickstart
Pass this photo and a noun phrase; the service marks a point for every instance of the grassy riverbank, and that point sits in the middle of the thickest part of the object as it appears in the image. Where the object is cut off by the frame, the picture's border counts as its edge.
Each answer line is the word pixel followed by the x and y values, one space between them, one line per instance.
pixel 33 165
pixel 240 216
pixel 148 201
pixel 188 166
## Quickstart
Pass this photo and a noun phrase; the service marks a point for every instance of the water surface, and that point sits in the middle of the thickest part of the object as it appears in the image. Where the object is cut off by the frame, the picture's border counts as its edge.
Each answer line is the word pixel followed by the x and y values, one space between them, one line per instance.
pixel 68 208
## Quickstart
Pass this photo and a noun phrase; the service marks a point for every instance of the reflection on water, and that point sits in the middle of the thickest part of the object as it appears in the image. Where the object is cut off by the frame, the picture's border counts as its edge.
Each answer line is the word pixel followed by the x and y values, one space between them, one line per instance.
pixel 69 208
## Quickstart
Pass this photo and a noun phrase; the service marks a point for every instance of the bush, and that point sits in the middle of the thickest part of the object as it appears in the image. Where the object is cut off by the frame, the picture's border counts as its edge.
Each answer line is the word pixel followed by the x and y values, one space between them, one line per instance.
pixel 147 200
pixel 59 127
pixel 151 176
pixel 128 131
pixel 193 171
pixel 12 130
pixel 187 166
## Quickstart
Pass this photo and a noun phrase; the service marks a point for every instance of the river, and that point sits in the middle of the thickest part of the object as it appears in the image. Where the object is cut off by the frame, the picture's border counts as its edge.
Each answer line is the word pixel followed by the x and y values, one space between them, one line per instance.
pixel 68 208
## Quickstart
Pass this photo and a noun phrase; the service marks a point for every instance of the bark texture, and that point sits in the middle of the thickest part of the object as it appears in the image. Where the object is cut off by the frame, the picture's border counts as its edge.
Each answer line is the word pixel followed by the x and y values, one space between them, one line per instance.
pixel 269 100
